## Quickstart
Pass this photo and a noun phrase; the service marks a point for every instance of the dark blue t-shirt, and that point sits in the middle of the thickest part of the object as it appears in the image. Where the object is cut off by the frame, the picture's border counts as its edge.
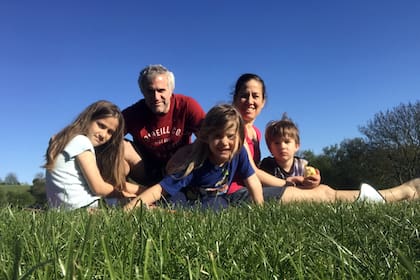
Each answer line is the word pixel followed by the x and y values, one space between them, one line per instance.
pixel 210 175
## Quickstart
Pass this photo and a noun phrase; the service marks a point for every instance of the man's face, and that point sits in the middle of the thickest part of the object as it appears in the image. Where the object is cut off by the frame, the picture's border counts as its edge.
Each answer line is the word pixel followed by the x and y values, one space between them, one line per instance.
pixel 158 95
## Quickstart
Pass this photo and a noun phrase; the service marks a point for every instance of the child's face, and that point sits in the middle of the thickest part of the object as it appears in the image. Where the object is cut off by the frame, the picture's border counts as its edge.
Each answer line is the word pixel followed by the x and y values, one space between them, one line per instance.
pixel 223 145
pixel 101 130
pixel 250 100
pixel 283 148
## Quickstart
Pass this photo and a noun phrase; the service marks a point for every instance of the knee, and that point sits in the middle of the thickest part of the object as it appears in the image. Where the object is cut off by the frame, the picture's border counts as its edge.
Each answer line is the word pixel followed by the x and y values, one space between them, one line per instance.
pixel 328 192
pixel 130 154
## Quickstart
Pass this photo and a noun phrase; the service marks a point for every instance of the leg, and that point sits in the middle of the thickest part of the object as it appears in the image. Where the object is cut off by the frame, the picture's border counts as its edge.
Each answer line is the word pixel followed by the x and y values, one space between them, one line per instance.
pixel 408 191
pixel 322 193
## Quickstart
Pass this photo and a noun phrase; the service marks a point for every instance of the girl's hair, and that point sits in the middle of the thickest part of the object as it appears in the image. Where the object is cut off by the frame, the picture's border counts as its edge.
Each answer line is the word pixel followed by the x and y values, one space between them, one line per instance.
pixel 109 156
pixel 245 78
pixel 220 118
pixel 150 72
pixel 282 128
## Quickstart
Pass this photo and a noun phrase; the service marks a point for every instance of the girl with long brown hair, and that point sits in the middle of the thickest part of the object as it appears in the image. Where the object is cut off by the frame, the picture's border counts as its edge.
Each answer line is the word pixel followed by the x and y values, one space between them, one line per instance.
pixel 84 161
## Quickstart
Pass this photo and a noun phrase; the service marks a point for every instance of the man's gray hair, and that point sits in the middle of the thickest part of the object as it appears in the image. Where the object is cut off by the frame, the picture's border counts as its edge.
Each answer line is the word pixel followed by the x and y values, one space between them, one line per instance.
pixel 150 72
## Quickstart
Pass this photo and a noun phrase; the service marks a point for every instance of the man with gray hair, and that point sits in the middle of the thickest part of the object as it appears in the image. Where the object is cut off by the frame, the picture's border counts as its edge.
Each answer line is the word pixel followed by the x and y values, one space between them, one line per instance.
pixel 160 124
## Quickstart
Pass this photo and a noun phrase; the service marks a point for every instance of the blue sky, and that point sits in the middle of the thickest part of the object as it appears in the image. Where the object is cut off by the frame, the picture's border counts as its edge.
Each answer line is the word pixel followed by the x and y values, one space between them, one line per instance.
pixel 331 65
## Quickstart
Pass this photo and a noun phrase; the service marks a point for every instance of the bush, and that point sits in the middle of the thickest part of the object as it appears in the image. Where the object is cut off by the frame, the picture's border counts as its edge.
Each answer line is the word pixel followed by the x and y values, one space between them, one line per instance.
pixel 16 197
pixel 39 193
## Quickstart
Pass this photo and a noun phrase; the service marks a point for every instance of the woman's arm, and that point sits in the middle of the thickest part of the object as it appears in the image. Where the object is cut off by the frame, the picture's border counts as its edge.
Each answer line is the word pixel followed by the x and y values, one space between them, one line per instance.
pixel 255 188
pixel 266 179
pixel 147 197
pixel 90 170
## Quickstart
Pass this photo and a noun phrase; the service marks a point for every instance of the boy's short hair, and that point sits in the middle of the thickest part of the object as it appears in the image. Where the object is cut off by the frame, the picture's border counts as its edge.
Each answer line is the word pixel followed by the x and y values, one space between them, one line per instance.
pixel 281 128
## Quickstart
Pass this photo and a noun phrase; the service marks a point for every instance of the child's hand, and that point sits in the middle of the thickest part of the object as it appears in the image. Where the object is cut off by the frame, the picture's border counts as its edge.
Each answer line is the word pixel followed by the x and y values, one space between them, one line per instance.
pixel 128 194
pixel 297 180
pixel 312 180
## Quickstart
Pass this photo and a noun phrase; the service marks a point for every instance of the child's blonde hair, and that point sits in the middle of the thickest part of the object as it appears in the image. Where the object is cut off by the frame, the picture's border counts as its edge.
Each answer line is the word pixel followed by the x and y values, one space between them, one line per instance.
pixel 281 128
pixel 219 118
pixel 109 156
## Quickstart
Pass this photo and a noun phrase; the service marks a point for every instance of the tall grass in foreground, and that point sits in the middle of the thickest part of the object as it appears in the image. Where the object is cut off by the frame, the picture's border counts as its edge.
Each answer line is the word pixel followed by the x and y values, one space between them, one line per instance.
pixel 297 241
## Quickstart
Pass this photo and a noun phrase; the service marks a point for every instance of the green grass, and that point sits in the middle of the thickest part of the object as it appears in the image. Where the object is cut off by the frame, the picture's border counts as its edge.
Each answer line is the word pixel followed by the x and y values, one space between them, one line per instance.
pixel 15 188
pixel 16 195
pixel 298 241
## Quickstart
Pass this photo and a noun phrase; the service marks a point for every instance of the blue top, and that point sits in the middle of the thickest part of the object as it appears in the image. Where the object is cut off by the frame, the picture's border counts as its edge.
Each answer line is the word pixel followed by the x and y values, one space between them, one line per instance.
pixel 210 175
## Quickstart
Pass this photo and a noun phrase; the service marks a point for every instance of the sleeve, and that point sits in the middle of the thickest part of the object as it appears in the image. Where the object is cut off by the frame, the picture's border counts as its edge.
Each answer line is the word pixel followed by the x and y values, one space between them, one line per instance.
pixel 300 166
pixel 245 169
pixel 127 115
pixel 78 145
pixel 267 165
pixel 127 118
pixel 133 117
pixel 196 114
pixel 173 183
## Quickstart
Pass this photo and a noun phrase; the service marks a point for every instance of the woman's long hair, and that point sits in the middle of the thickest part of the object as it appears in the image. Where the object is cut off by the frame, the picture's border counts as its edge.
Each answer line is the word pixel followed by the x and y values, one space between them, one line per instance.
pixel 109 156
pixel 220 117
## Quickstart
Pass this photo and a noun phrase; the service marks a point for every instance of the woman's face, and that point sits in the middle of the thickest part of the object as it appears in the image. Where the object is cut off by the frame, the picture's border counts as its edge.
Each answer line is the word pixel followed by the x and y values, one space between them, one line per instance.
pixel 100 131
pixel 223 144
pixel 250 100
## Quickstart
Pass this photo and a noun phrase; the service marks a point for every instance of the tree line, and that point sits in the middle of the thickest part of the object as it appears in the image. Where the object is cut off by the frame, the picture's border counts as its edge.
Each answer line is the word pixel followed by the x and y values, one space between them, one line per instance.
pixel 10 179
pixel 387 155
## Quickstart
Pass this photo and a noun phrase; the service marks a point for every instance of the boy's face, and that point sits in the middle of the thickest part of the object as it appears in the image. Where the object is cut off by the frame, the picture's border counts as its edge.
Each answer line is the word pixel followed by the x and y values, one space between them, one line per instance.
pixel 283 148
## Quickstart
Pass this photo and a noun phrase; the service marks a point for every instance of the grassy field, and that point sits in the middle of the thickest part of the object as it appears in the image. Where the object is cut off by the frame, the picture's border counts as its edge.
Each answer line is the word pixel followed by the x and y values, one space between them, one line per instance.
pixel 299 241
pixel 14 188
pixel 17 195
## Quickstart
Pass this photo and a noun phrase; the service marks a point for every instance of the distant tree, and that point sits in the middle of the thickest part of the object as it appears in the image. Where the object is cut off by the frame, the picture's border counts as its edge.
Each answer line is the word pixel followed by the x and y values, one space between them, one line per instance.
pixel 343 166
pixel 39 177
pixel 17 199
pixel 308 155
pixel 11 179
pixel 395 136
pixel 38 190
pixel 381 171
pixel 324 163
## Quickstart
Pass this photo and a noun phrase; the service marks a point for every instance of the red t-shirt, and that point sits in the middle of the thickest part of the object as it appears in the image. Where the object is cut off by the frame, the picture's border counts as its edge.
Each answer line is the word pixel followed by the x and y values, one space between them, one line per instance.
pixel 157 137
